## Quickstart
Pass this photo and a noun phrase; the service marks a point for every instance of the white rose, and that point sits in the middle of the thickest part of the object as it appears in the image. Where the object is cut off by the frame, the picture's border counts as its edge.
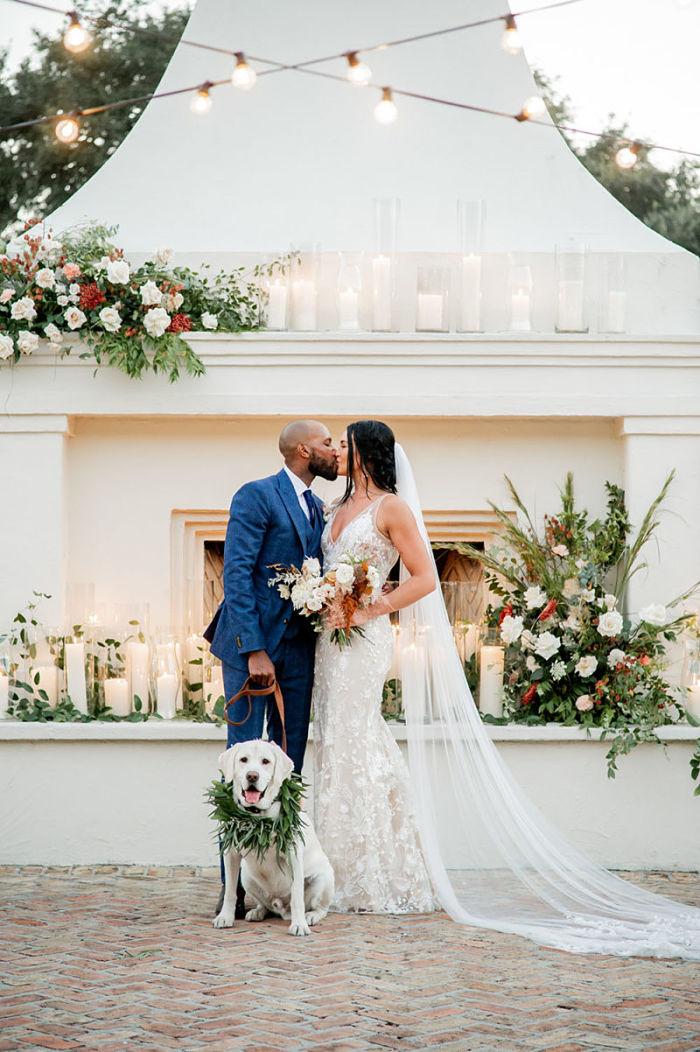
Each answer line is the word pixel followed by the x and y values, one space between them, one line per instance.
pixel 610 623
pixel 27 342
pixel 7 347
pixel 610 601
pixel 616 657
pixel 586 666
pixel 45 278
pixel 163 256
pixel 547 645
pixel 151 296
pixel 209 321
pixel 23 309
pixel 534 596
pixel 6 295
pixel 345 574
pixel 74 288
pixel 111 319
pixel 532 665
pixel 511 629
pixel 74 317
pixel 62 301
pixel 584 703
pixel 118 271
pixel 571 587
pixel 654 614
pixel 53 333
pixel 172 301
pixel 156 321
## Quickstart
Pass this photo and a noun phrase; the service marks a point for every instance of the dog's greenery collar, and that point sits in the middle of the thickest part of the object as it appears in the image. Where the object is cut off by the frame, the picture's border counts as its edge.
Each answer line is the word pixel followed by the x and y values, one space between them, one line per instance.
pixel 245 831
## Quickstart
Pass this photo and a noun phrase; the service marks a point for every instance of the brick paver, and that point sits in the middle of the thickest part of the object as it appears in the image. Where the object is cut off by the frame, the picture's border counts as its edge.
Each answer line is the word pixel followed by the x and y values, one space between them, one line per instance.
pixel 108 958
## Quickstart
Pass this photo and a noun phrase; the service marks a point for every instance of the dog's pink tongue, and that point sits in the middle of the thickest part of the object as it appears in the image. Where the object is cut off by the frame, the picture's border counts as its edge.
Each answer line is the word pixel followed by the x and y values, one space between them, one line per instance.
pixel 252 796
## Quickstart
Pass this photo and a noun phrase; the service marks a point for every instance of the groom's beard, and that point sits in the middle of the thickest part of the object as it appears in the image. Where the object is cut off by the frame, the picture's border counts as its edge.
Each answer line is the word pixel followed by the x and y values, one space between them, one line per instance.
pixel 324 469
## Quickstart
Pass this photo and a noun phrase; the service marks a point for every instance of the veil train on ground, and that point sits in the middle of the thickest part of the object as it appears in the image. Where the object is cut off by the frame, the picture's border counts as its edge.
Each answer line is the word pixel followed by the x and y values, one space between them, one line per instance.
pixel 494 859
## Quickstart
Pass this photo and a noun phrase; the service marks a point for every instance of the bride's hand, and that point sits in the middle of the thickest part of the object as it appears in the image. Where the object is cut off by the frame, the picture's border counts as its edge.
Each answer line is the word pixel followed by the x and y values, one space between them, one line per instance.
pixel 361 617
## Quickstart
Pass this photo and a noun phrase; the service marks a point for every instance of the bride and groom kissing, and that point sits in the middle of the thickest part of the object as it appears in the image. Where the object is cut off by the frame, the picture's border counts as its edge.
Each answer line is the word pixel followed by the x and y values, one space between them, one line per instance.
pixel 363 812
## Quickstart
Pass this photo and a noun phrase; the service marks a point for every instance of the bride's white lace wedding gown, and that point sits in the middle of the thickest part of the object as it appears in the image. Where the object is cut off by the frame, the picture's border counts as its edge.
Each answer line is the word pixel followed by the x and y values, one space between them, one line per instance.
pixel 363 810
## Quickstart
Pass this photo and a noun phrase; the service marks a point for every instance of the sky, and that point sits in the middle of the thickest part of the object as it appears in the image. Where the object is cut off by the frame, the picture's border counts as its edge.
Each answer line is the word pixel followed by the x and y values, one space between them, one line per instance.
pixel 636 58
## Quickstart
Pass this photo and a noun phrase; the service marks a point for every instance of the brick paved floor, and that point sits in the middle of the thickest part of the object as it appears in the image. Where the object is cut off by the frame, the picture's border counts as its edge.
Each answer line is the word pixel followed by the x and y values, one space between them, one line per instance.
pixel 122 957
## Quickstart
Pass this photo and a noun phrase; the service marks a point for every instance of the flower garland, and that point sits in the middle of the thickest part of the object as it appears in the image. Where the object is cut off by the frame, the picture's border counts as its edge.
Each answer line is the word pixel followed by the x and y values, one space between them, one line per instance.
pixel 247 832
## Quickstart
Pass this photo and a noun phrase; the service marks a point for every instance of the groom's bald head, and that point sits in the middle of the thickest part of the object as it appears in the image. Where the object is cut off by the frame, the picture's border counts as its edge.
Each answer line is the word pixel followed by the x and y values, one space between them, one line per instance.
pixel 307 447
pixel 300 433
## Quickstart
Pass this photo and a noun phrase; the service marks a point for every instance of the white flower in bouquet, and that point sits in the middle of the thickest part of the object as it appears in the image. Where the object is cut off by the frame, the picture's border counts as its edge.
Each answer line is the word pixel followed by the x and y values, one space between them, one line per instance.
pixel 49 249
pixel 547 645
pixel 300 593
pixel 18 246
pixel 6 295
pixel 315 602
pixel 531 664
pixel 610 623
pixel 511 629
pixel 284 590
pixel 588 595
pixel 7 346
pixel 103 263
pixel 527 640
pixel 610 601
pixel 571 587
pixel 173 300
pixel 654 614
pixel 74 318
pixel 23 309
pixel 156 321
pixel 163 256
pixel 62 301
pixel 74 289
pixel 45 278
pixel 209 321
pixel 345 575
pixel 374 578
pixel 560 549
pixel 111 319
pixel 27 342
pixel 586 666
pixel 151 295
pixel 572 623
pixel 558 670
pixel 534 596
pixel 118 271
pixel 53 333
pixel 616 657
pixel 311 568
pixel 584 703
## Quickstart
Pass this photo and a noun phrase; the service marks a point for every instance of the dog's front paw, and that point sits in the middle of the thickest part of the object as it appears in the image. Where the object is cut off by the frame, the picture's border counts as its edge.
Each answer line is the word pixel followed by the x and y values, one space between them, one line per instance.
pixel 225 919
pixel 301 928
pixel 315 916
pixel 258 913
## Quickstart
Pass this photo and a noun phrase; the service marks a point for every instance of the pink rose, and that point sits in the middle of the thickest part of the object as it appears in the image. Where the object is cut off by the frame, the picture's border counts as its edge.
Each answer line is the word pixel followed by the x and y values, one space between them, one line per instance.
pixel 560 549
pixel 584 703
pixel 71 270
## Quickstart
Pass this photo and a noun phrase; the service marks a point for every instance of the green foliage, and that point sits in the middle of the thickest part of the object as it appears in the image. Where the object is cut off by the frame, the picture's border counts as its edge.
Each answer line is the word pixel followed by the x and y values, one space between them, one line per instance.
pixel 246 832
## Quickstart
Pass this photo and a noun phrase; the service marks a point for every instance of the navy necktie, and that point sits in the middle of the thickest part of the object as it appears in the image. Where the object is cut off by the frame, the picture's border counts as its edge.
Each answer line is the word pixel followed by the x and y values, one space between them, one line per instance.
pixel 308 497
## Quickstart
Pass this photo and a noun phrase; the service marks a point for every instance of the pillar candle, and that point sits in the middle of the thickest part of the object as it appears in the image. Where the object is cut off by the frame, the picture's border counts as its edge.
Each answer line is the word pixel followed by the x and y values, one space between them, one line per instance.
pixel 692 703
pixel 4 695
pixel 395 670
pixel 570 306
pixel 617 305
pixel 470 289
pixel 76 686
pixel 520 311
pixel 48 681
pixel 491 680
pixel 304 305
pixel 348 301
pixel 277 306
pixel 429 312
pixel 117 695
pixel 166 695
pixel 381 293
pixel 137 671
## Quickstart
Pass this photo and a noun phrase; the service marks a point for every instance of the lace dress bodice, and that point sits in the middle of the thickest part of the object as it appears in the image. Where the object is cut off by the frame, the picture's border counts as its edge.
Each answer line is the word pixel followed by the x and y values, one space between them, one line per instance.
pixel 360 538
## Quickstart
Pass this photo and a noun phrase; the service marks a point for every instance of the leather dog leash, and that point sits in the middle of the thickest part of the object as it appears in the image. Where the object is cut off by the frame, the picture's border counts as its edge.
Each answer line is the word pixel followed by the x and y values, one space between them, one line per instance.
pixel 250 691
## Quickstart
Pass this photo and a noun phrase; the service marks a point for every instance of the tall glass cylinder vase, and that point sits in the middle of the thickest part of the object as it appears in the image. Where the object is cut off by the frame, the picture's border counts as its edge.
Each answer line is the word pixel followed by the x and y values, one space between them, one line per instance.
pixel 166 674
pixel 349 290
pixel 383 264
pixel 304 275
pixel 275 301
pixel 491 669
pixel 76 668
pixel 520 298
pixel 114 677
pixel 45 673
pixel 432 299
pixel 471 225
pixel 571 260
pixel 613 301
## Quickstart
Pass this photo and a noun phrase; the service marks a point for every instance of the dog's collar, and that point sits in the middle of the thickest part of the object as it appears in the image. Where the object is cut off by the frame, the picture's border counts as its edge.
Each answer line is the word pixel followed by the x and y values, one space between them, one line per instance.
pixel 246 830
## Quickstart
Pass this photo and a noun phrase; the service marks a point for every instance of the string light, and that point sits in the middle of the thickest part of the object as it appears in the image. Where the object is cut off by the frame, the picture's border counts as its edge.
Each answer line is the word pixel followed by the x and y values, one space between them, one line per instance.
pixel 385 111
pixel 201 103
pixel 626 156
pixel 511 41
pixel 358 72
pixel 76 38
pixel 243 76
pixel 67 128
pixel 532 108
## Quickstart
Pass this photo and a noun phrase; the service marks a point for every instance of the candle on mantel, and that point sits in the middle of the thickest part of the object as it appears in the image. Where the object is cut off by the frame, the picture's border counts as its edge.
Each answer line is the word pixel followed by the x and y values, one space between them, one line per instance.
pixel 137 671
pixel 304 305
pixel 570 312
pixel 491 680
pixel 470 300
pixel 4 693
pixel 617 308
pixel 381 293
pixel 520 311
pixel 117 695
pixel 166 695
pixel 48 682
pixel 214 689
pixel 692 703
pixel 348 302
pixel 429 312
pixel 76 687
pixel 395 670
pixel 277 305
pixel 466 638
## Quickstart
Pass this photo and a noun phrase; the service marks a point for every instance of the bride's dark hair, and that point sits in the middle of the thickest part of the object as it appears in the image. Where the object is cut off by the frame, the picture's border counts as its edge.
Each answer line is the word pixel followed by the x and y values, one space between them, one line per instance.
pixel 371 448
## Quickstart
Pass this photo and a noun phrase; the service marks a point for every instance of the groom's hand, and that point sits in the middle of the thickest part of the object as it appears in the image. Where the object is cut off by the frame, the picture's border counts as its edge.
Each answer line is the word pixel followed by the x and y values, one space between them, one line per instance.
pixel 260 668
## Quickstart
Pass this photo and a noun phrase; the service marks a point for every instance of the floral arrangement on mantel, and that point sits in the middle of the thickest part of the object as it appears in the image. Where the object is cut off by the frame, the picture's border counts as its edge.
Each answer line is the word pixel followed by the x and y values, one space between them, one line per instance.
pixel 132 319
pixel 571 655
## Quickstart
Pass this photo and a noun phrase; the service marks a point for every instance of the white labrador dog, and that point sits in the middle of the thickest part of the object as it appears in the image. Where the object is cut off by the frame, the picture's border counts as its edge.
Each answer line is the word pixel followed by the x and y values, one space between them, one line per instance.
pixel 258 769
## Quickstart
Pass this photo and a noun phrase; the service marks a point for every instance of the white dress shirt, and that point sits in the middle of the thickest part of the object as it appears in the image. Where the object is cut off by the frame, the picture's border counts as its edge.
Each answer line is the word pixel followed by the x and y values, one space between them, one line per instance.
pixel 299 488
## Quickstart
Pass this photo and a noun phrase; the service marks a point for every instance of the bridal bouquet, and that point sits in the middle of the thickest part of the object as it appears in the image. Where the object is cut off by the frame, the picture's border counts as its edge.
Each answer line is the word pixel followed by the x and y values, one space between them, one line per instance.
pixel 330 599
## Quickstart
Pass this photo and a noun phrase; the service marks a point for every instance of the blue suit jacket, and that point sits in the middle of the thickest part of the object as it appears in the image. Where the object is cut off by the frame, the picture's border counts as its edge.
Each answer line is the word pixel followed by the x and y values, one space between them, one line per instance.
pixel 266 527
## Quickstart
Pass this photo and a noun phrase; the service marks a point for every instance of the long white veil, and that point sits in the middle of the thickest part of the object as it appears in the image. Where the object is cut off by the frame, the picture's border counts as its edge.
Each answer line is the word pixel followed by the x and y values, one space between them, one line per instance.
pixel 511 869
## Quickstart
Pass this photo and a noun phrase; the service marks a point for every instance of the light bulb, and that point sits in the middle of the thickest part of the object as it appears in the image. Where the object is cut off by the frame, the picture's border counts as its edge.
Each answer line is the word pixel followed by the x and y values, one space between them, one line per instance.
pixel 385 111
pixel 511 38
pixel 626 156
pixel 358 72
pixel 243 76
pixel 76 38
pixel 67 129
pixel 201 102
pixel 532 107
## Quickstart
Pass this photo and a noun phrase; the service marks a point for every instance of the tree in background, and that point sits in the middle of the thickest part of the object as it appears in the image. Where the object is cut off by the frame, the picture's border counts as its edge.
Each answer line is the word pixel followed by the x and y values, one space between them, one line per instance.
pixel 667 200
pixel 37 173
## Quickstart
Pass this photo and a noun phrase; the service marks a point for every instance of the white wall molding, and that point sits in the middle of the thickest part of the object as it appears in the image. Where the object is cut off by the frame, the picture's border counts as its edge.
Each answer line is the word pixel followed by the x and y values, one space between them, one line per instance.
pixel 33 424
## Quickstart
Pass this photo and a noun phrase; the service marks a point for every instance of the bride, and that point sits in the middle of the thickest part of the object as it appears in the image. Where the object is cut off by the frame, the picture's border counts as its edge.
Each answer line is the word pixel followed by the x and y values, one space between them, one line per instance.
pixel 453 829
